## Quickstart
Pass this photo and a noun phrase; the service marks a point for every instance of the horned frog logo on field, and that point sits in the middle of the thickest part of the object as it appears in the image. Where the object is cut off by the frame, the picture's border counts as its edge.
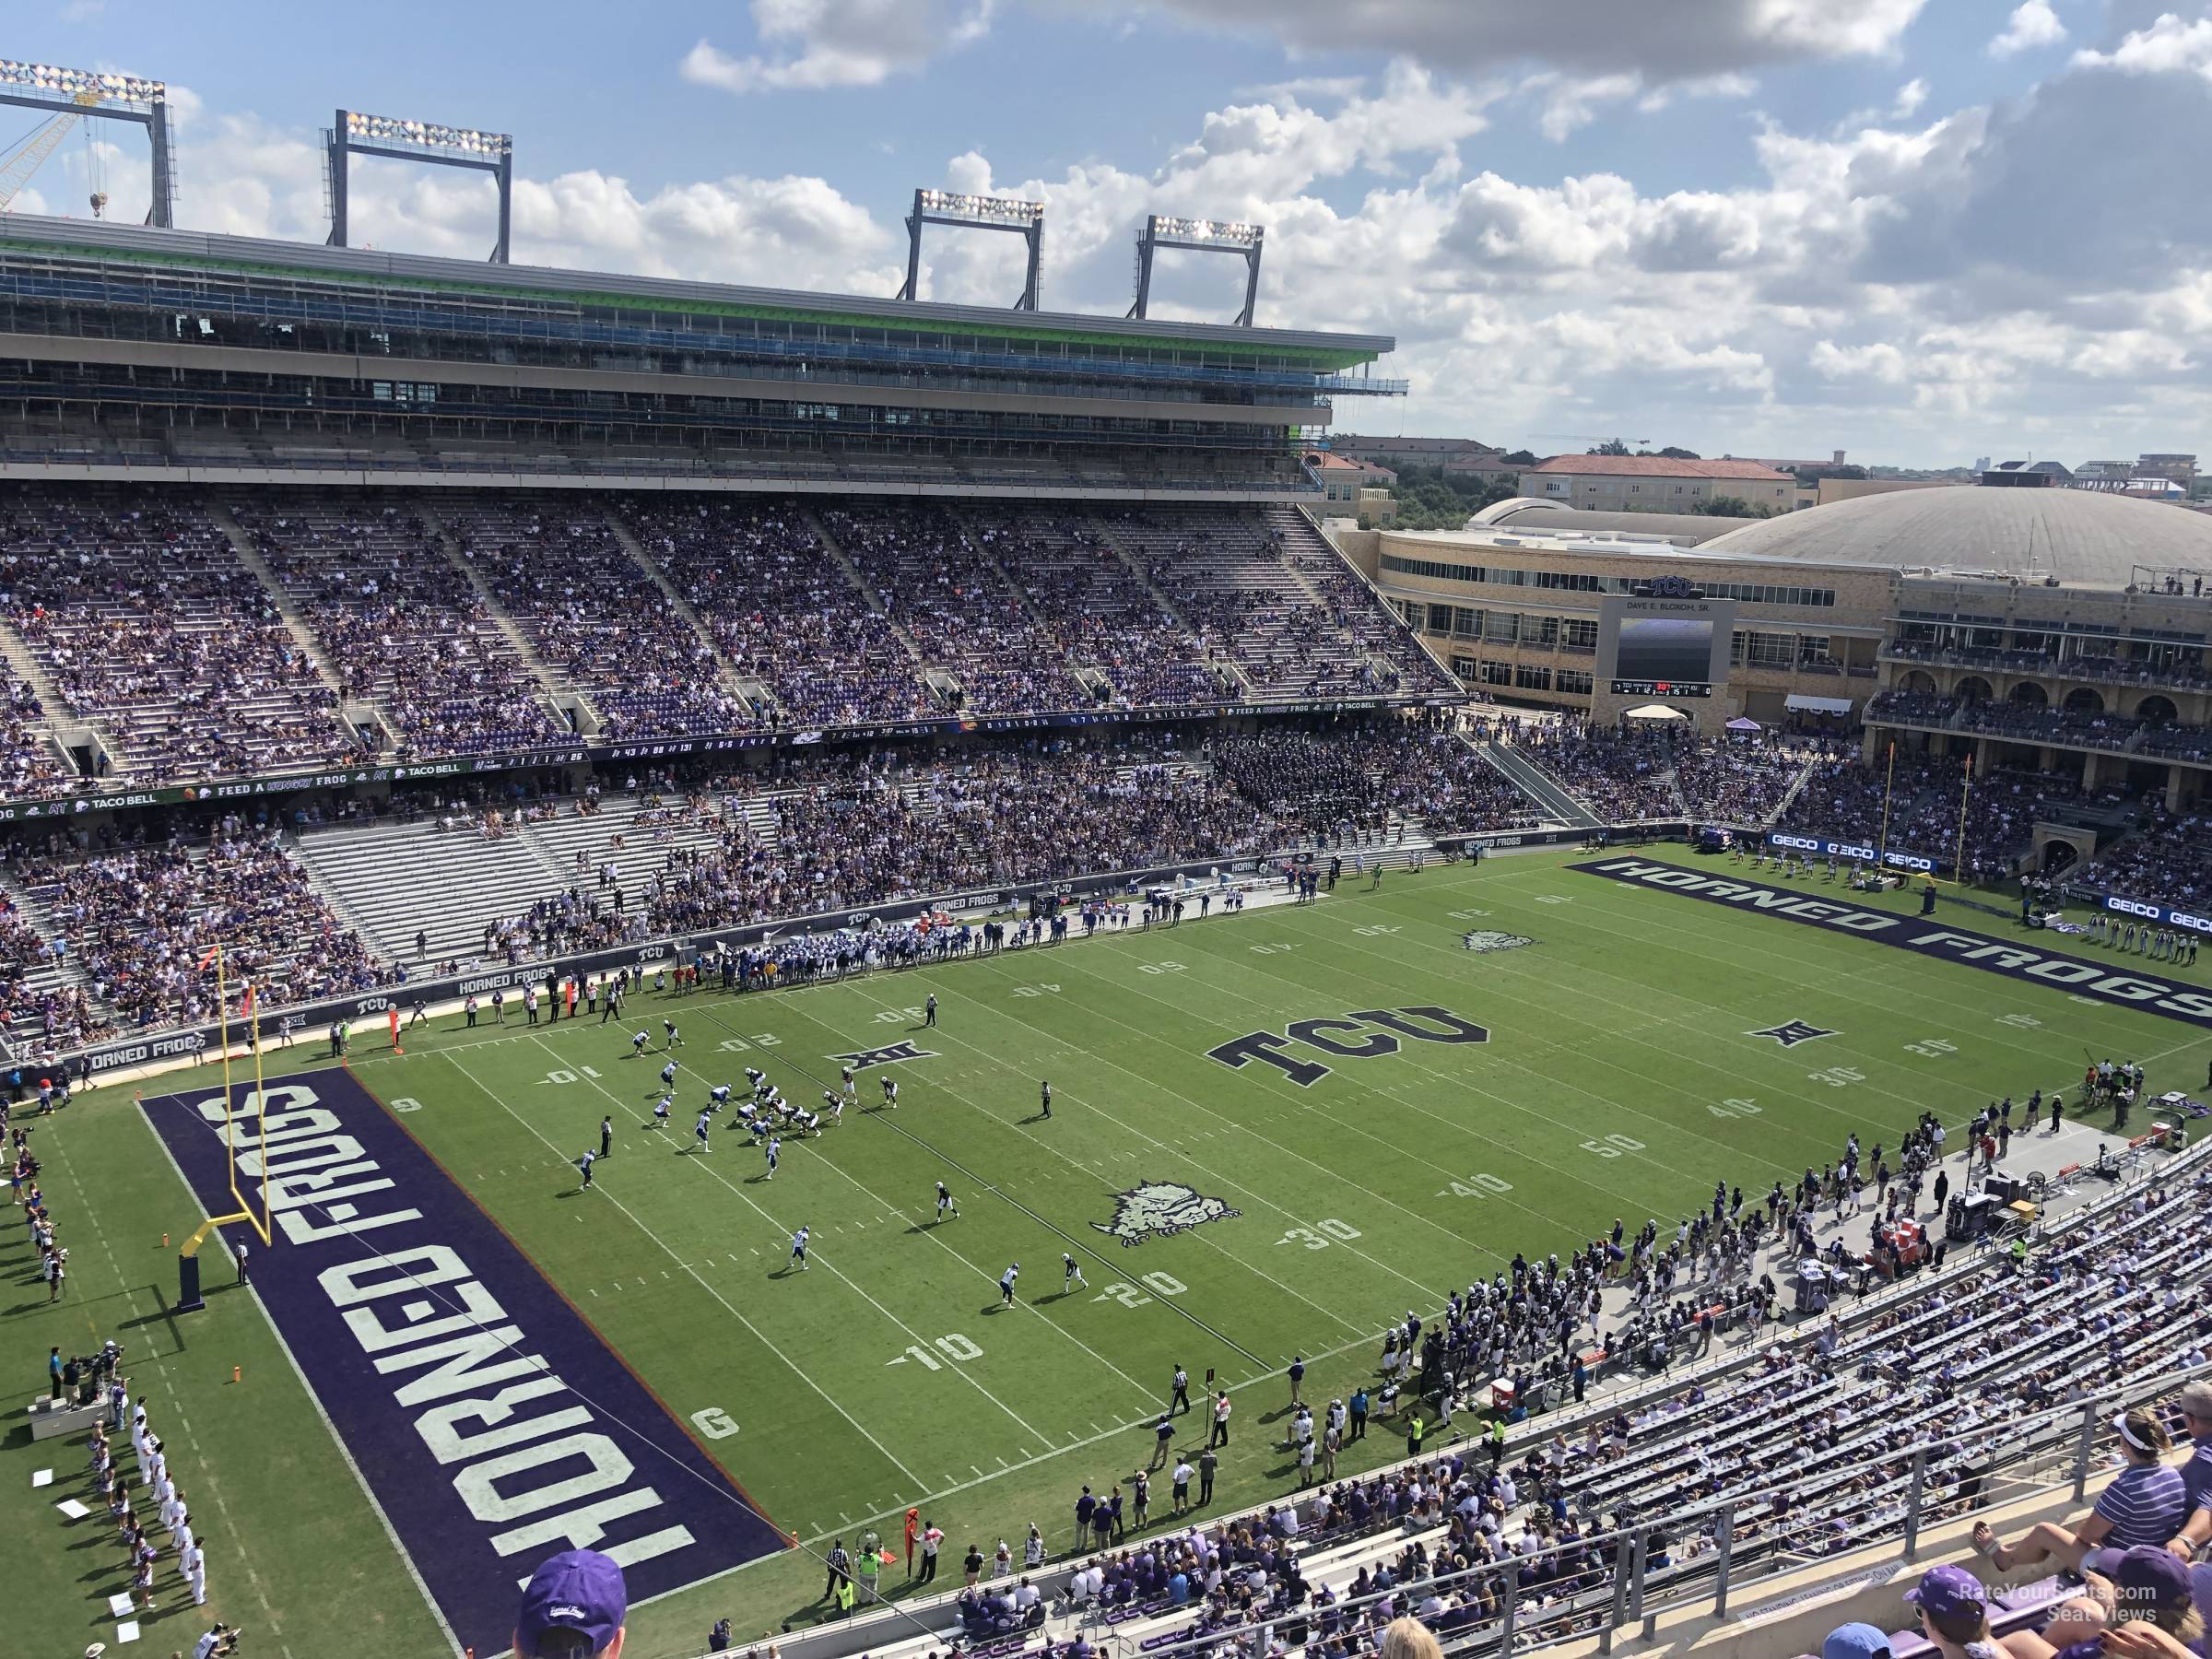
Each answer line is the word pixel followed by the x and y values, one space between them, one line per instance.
pixel 1159 1209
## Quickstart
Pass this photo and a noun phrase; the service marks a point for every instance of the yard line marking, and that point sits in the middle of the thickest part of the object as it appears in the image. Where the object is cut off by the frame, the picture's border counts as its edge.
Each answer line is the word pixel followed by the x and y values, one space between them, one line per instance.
pixel 984 1272
pixel 1275 1087
pixel 747 1199
pixel 1155 1086
pixel 1219 1335
pixel 758 1336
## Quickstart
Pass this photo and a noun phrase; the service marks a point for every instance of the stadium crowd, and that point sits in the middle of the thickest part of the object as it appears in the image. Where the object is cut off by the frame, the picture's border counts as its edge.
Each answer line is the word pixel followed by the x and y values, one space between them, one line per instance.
pixel 138 609
pixel 403 626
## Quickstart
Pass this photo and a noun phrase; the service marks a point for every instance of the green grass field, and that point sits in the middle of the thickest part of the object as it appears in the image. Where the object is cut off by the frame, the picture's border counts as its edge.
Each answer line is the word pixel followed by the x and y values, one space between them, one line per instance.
pixel 1620 1079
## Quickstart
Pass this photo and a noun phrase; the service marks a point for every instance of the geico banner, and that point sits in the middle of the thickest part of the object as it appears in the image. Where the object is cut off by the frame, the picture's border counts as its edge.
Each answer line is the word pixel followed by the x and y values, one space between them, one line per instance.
pixel 2162 915
pixel 283 1026
pixel 1855 849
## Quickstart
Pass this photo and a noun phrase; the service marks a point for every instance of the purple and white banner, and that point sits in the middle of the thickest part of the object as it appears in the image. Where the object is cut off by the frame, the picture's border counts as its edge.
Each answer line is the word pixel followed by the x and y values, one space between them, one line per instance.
pixel 492 1423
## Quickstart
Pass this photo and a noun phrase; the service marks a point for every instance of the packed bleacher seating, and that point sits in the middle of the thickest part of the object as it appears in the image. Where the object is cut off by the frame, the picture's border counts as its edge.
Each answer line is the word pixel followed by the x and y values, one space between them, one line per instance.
pixel 1620 777
pixel 1095 607
pixel 2169 863
pixel 404 627
pixel 781 610
pixel 1355 783
pixel 1232 577
pixel 137 607
pixel 141 919
pixel 1842 799
pixel 1733 782
pixel 960 609
pixel 597 621
pixel 29 758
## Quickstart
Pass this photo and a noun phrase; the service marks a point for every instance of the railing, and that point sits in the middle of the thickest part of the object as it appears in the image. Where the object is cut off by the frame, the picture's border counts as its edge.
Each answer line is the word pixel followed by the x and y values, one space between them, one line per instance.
pixel 1730 1547
pixel 2110 670
pixel 2054 1448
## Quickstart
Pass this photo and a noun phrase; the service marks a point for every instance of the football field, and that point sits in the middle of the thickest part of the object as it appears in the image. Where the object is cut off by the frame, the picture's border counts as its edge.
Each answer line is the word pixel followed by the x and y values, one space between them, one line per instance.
pixel 1269 1136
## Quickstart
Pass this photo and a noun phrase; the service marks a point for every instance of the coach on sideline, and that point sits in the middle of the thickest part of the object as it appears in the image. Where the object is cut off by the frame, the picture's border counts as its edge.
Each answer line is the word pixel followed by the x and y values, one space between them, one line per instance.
pixel 573 1607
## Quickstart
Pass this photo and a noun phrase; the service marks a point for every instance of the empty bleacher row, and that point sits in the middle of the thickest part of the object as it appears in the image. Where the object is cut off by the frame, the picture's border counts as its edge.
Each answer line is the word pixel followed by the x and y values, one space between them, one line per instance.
pixel 188 637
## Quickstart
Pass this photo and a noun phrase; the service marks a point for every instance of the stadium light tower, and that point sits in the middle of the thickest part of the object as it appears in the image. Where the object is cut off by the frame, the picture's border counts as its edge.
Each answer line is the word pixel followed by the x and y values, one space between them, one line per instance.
pixel 1026 219
pixel 354 133
pixel 91 94
pixel 1199 236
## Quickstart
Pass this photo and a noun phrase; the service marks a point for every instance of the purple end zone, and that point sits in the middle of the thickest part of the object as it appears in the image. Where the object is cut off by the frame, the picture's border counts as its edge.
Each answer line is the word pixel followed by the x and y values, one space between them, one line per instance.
pixel 491 1422
pixel 2117 985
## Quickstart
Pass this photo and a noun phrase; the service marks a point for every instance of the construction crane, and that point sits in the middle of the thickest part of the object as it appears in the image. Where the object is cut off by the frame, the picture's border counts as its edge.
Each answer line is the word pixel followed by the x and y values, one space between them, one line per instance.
pixel 42 144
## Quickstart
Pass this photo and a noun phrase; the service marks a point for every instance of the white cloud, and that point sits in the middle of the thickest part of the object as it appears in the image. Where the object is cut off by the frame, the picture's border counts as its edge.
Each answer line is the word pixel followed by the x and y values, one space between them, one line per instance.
pixel 826 43
pixel 1572 104
pixel 2033 24
pixel 1679 40
pixel 1874 286
pixel 2169 46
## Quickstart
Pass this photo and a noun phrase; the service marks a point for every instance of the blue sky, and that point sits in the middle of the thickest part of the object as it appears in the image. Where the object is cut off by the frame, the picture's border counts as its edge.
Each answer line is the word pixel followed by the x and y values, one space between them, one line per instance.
pixel 1918 229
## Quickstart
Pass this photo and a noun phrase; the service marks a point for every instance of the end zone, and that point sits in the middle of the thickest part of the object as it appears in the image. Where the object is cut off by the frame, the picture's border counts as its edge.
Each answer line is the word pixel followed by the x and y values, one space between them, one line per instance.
pixel 2120 989
pixel 490 1422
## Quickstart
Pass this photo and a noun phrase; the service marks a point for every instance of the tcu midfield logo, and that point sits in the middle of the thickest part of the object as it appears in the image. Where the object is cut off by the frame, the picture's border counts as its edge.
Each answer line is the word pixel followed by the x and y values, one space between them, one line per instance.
pixel 1160 1209
pixel 1267 1048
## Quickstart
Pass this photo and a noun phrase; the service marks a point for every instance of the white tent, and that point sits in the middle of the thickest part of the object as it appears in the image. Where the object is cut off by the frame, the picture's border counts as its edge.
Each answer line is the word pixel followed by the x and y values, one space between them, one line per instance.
pixel 1654 712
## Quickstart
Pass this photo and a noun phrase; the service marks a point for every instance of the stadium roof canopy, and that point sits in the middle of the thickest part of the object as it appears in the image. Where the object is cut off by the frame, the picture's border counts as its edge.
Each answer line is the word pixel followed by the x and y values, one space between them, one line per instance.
pixel 303 261
pixel 2079 536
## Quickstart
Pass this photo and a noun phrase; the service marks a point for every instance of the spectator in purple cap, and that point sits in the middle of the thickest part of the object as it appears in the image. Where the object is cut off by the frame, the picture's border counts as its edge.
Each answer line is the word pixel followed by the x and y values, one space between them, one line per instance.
pixel 573 1607
pixel 2145 1504
pixel 1954 1614
pixel 1856 1642
pixel 2142 1610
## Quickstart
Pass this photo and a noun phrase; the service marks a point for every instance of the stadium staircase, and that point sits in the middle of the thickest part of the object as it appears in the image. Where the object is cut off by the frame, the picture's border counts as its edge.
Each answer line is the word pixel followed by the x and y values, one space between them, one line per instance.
pixel 65 730
pixel 860 583
pixel 1790 795
pixel 50 975
pixel 727 673
pixel 1540 786
pixel 356 712
pixel 556 689
pixel 1229 669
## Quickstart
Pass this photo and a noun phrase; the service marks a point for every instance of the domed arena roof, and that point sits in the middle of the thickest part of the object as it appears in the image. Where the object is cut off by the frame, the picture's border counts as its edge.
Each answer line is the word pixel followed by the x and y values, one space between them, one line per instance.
pixel 2083 538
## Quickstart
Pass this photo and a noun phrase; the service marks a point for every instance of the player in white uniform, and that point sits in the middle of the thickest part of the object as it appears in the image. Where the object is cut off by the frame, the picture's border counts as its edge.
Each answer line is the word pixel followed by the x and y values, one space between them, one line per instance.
pixel 775 1151
pixel 660 1110
pixel 1006 1285
pixel 637 1043
pixel 668 1075
pixel 719 1096
pixel 700 1129
pixel 584 1164
pixel 798 1248
pixel 192 1562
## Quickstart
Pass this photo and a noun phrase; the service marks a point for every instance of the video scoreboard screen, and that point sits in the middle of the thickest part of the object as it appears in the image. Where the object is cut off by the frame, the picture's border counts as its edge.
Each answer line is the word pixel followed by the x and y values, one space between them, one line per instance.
pixel 1653 645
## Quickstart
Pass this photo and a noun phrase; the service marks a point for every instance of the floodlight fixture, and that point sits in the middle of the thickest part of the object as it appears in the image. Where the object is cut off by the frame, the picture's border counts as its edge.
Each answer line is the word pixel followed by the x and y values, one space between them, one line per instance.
pixel 430 142
pixel 1026 219
pixel 99 95
pixel 1199 236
